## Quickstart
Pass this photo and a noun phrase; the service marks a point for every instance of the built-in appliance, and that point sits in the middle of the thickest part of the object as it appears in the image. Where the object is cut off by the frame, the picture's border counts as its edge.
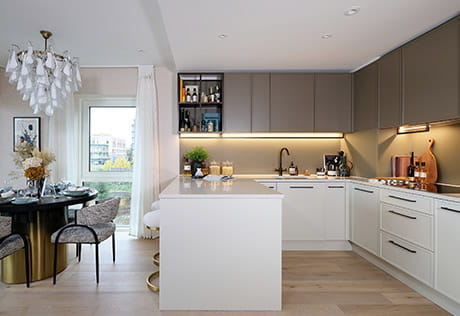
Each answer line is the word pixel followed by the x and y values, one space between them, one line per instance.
pixel 430 187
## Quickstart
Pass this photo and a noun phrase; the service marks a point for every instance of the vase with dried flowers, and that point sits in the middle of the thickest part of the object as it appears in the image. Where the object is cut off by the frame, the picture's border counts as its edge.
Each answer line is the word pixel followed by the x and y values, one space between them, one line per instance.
pixel 35 164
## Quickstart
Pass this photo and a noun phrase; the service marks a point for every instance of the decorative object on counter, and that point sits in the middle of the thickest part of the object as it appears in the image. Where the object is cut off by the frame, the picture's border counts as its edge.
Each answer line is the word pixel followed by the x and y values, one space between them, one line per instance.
pixel 411 168
pixel 344 170
pixel 35 164
pixel 306 172
pixel 400 164
pixel 214 168
pixel 198 155
pixel 320 172
pixel 227 168
pixel 293 171
pixel 187 167
pixel 430 163
pixel 43 77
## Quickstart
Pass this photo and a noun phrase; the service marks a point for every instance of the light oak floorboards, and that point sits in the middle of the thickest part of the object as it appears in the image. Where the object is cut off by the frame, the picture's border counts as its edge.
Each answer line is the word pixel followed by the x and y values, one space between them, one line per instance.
pixel 317 283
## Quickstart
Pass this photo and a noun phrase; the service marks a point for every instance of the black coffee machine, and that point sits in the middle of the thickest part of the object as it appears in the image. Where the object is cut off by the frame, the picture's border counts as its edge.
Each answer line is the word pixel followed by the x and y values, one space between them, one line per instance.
pixel 331 164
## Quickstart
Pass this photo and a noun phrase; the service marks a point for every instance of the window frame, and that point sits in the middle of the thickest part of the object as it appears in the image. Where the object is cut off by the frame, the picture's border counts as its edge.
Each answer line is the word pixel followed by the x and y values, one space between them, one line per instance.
pixel 85 104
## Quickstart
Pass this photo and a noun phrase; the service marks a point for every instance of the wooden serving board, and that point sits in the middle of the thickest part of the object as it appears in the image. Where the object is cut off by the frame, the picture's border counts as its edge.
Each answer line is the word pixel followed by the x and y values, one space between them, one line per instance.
pixel 430 163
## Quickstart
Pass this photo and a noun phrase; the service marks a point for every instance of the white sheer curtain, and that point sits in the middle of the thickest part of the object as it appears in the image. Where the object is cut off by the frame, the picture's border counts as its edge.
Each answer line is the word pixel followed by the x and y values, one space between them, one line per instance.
pixel 63 140
pixel 146 181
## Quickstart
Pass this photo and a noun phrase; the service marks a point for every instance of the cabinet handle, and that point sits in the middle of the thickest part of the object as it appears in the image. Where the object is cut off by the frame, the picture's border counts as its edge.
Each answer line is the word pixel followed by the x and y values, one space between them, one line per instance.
pixel 402 199
pixel 297 187
pixel 362 190
pixel 400 214
pixel 335 186
pixel 401 246
pixel 449 209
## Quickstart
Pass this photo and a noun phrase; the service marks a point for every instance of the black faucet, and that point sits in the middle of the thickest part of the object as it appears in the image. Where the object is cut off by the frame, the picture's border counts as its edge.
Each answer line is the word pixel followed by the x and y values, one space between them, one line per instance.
pixel 280 169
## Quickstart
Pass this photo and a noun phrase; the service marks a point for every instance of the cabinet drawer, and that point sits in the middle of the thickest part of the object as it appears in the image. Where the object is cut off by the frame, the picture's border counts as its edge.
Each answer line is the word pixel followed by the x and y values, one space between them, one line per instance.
pixel 270 185
pixel 408 257
pixel 410 225
pixel 407 200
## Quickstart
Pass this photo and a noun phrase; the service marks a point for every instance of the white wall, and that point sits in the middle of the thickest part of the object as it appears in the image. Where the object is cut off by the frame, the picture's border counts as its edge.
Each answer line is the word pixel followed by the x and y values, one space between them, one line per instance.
pixel 100 82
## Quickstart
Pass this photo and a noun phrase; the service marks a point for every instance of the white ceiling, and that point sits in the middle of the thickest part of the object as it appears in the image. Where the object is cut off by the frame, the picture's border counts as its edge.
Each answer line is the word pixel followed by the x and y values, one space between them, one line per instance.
pixel 262 34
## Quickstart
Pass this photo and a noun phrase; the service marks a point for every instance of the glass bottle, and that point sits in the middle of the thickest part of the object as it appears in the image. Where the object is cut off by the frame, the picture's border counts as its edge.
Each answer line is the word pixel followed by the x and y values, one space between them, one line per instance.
pixel 217 94
pixel 214 168
pixel 194 96
pixel 422 173
pixel 187 167
pixel 417 172
pixel 227 168
pixel 188 97
pixel 292 169
pixel 411 169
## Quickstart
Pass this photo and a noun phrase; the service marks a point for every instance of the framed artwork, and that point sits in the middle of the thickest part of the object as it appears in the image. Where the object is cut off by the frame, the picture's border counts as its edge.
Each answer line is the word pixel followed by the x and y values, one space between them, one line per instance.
pixel 26 130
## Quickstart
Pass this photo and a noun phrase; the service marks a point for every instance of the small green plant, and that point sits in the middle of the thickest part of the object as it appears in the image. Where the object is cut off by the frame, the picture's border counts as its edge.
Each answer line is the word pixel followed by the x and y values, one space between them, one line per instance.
pixel 198 154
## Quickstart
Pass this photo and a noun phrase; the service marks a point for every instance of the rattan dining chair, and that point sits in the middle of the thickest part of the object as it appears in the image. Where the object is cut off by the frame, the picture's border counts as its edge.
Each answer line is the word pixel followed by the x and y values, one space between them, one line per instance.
pixel 93 224
pixel 12 242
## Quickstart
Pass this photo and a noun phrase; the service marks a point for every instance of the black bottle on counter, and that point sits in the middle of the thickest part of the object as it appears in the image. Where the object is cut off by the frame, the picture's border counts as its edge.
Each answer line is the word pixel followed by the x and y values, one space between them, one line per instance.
pixel 411 168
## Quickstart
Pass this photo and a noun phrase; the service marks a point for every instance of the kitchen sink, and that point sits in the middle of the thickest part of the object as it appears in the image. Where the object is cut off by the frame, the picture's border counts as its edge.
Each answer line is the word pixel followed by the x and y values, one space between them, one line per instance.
pixel 293 177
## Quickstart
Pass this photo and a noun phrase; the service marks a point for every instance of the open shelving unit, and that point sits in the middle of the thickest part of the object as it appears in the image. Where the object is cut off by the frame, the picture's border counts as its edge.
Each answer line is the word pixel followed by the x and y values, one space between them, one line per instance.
pixel 202 83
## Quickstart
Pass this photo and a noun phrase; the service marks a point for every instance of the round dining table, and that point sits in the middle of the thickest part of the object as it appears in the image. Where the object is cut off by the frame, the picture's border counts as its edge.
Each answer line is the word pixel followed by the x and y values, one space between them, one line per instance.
pixel 39 220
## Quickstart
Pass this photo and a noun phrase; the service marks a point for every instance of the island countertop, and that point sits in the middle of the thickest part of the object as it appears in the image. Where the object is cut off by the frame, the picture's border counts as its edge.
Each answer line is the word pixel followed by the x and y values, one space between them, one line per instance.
pixel 185 187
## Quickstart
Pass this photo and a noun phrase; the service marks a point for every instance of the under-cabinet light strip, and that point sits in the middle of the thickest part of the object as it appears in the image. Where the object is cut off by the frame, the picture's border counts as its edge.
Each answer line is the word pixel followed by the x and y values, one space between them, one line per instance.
pixel 261 135
pixel 413 129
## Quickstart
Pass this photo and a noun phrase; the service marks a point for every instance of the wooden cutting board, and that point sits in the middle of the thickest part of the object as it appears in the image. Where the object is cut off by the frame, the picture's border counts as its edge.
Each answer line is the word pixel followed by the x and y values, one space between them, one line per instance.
pixel 430 163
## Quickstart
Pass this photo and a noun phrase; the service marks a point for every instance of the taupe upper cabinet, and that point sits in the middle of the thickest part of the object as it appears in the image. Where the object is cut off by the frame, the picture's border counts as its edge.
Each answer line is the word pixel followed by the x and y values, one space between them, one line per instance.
pixel 390 90
pixel 365 85
pixel 333 102
pixel 292 102
pixel 431 75
pixel 260 102
pixel 237 106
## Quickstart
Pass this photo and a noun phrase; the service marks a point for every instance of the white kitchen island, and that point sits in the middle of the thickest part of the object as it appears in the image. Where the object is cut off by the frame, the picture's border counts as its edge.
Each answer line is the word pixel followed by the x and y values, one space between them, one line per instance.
pixel 220 245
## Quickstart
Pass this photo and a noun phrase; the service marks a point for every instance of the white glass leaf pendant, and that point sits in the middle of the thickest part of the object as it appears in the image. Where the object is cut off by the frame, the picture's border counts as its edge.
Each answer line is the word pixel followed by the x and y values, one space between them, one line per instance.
pixel 50 61
pixel 53 91
pixel 29 59
pixel 12 62
pixel 24 70
pixel 13 77
pixel 29 84
pixel 20 85
pixel 68 68
pixel 49 110
pixel 40 71
pixel 33 99
pixel 41 91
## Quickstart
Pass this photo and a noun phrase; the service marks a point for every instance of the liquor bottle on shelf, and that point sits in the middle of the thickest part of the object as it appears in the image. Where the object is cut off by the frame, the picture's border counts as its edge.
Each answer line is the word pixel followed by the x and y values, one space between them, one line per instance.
pixel 194 96
pixel 187 123
pixel 411 169
pixel 204 126
pixel 204 97
pixel 181 121
pixel 417 172
pixel 217 94
pixel 211 96
pixel 188 97
pixel 422 173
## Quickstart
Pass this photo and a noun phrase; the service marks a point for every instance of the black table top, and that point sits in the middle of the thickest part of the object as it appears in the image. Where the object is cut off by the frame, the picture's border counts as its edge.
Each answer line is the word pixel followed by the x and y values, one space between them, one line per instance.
pixel 46 203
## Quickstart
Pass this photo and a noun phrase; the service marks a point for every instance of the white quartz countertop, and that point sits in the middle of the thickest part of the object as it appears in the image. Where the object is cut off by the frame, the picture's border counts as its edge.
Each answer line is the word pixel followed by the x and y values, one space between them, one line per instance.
pixel 185 187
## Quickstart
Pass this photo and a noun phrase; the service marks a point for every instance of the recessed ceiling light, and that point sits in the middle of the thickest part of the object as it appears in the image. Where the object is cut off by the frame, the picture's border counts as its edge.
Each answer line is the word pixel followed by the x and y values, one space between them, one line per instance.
pixel 222 36
pixel 326 36
pixel 352 11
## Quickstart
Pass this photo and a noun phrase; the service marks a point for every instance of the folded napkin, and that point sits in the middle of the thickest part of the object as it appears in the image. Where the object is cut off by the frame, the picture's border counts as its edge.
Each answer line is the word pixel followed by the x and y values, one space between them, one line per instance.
pixel 6 194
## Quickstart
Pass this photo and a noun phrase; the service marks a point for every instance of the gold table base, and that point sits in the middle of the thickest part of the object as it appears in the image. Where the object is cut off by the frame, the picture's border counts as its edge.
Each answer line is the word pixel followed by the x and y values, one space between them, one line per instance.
pixel 38 226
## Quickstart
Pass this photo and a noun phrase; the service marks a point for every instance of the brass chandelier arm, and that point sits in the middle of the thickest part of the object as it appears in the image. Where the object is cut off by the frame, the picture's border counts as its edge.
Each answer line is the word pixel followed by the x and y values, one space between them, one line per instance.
pixel 42 52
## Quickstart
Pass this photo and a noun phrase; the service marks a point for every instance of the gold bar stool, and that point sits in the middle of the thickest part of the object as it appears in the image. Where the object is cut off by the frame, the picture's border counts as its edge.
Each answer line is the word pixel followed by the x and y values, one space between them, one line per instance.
pixel 152 222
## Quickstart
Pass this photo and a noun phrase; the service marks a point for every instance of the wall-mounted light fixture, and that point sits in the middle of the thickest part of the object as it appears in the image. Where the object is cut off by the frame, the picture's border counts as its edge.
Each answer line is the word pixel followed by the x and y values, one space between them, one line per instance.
pixel 406 129
pixel 261 135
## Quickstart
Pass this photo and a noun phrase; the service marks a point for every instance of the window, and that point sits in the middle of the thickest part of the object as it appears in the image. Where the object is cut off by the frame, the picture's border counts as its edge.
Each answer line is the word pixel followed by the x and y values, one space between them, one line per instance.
pixel 107 143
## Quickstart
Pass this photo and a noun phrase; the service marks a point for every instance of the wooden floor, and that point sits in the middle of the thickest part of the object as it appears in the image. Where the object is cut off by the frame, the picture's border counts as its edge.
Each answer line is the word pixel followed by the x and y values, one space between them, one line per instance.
pixel 315 283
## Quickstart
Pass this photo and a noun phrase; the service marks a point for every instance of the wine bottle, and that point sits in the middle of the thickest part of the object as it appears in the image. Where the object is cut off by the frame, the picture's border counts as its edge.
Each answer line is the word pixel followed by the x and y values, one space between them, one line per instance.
pixel 411 169
pixel 188 98
pixel 194 96
pixel 187 121
pixel 422 173
pixel 217 94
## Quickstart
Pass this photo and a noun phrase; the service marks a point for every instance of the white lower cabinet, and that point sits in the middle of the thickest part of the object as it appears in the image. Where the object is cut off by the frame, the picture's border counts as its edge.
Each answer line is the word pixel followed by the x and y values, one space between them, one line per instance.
pixel 365 217
pixel 448 249
pixel 408 257
pixel 302 211
pixel 270 185
pixel 334 211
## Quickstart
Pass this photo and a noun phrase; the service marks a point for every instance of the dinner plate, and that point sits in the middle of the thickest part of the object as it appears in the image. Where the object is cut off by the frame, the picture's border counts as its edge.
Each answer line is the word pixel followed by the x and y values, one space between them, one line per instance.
pixel 6 200
pixel 76 193
pixel 27 200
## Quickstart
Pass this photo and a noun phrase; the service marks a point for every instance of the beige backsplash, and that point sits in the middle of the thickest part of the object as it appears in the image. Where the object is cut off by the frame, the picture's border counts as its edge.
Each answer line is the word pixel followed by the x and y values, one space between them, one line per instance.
pixel 260 156
pixel 371 151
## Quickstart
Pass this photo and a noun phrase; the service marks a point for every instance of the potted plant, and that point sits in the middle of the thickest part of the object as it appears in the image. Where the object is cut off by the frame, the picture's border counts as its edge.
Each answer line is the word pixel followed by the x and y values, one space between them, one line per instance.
pixel 197 155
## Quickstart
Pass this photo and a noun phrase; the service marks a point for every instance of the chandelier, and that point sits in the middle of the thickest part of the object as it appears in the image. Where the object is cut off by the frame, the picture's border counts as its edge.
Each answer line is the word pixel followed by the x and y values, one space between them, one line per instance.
pixel 44 78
